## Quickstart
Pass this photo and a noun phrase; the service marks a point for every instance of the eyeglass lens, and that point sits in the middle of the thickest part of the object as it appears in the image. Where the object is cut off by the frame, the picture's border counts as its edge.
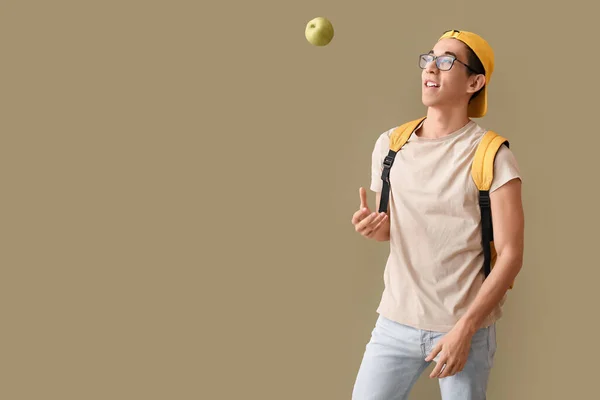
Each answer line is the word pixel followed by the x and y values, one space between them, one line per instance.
pixel 443 63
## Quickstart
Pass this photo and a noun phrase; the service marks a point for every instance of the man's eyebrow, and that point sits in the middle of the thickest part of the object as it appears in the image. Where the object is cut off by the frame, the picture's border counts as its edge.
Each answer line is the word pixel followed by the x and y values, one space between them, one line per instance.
pixel 446 53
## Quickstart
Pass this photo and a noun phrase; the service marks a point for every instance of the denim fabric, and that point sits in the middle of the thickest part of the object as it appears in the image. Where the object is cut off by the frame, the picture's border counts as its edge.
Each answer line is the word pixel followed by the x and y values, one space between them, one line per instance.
pixel 394 359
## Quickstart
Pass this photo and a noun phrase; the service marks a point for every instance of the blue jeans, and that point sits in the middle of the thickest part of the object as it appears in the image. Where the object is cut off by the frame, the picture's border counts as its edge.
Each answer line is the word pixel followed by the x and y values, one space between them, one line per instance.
pixel 394 359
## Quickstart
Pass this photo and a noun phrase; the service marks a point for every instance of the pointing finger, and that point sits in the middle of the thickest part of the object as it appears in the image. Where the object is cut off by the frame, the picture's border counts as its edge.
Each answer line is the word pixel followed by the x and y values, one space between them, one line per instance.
pixel 363 198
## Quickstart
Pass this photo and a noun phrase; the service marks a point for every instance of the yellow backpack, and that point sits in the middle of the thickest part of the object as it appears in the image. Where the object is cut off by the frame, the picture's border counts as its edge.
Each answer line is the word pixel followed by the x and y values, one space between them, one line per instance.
pixel 482 172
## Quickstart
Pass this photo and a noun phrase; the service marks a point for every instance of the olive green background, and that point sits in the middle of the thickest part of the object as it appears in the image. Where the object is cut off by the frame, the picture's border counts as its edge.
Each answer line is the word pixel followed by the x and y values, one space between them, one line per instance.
pixel 178 179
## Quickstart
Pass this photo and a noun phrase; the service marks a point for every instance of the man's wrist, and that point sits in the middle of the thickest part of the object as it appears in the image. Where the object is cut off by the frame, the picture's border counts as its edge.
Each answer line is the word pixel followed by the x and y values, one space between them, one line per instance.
pixel 468 325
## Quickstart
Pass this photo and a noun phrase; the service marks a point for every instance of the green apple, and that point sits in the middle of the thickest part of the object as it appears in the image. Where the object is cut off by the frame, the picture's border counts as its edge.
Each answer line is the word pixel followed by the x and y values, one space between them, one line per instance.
pixel 319 31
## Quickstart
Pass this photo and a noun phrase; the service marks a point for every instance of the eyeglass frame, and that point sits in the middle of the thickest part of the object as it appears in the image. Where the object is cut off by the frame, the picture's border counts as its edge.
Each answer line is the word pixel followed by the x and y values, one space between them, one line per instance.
pixel 451 56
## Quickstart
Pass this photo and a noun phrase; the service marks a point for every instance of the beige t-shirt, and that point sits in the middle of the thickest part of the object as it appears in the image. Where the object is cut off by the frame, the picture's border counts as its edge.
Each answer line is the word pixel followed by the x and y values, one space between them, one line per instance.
pixel 434 269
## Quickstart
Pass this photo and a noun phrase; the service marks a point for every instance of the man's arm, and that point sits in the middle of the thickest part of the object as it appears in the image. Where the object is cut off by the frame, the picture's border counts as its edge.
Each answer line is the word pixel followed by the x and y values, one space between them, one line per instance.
pixel 508 222
pixel 509 225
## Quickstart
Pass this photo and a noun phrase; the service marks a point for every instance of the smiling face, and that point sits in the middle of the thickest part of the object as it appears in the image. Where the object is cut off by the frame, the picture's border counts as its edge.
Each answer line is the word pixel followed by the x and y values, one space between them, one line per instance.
pixel 452 88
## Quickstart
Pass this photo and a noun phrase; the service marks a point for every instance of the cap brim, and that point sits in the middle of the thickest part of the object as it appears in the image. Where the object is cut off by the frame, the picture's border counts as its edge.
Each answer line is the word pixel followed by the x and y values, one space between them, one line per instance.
pixel 478 107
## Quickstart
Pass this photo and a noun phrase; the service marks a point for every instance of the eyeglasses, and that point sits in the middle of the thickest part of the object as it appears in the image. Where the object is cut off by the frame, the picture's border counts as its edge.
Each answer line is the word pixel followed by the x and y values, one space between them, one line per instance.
pixel 443 62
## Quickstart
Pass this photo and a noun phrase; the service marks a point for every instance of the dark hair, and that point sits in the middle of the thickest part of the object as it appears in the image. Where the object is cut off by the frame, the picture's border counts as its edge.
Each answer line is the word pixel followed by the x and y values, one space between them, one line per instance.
pixel 475 63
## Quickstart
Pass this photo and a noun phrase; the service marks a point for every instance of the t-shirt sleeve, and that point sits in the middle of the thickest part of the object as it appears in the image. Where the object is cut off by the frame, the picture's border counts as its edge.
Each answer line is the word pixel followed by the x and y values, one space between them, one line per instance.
pixel 380 150
pixel 506 168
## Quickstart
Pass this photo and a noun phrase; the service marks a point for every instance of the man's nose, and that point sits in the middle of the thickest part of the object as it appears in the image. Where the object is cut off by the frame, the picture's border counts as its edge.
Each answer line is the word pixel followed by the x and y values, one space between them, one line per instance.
pixel 431 67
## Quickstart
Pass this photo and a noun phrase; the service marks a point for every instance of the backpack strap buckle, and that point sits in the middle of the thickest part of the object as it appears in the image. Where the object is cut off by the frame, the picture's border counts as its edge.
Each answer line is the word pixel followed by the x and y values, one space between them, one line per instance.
pixel 484 199
pixel 387 166
pixel 388 161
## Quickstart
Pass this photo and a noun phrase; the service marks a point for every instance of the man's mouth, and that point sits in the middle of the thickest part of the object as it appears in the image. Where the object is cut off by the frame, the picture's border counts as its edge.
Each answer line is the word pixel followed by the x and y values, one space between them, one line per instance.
pixel 431 84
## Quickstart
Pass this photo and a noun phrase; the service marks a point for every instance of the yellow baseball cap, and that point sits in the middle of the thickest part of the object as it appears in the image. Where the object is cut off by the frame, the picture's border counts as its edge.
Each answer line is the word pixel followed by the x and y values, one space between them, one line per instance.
pixel 478 107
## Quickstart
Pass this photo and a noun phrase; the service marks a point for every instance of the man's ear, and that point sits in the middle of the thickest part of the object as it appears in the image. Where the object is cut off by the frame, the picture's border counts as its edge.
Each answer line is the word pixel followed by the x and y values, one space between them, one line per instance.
pixel 476 83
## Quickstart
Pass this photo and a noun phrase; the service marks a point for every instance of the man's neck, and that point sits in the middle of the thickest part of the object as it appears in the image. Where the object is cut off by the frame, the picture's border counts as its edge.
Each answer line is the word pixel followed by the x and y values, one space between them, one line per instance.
pixel 440 123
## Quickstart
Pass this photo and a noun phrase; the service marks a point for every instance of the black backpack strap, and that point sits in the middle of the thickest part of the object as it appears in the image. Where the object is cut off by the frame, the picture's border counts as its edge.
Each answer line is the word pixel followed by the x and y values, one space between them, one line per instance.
pixel 482 172
pixel 385 177
pixel 398 139
pixel 487 230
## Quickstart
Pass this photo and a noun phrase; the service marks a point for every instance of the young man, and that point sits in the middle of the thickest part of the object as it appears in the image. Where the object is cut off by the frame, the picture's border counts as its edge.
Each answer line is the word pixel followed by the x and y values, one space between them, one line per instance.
pixel 437 305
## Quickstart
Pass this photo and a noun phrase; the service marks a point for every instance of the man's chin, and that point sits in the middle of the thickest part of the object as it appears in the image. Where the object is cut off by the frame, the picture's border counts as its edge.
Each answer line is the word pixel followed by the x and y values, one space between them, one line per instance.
pixel 428 102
